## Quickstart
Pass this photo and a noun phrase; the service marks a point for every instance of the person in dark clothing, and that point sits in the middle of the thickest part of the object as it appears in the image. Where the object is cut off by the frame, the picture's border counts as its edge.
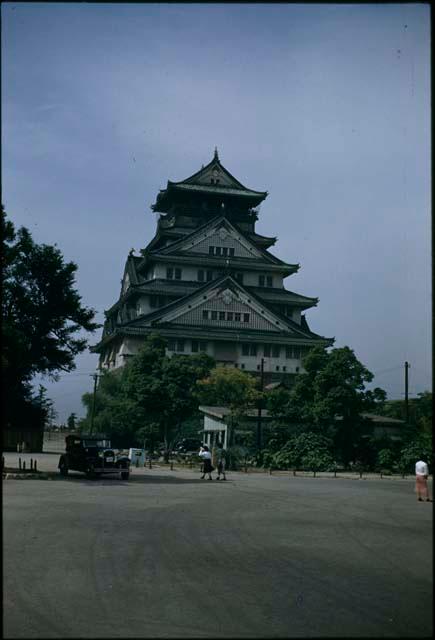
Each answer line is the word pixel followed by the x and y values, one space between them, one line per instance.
pixel 220 459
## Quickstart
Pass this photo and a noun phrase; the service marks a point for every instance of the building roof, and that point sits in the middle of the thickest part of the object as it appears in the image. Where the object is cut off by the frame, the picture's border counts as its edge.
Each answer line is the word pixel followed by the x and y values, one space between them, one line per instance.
pixel 264 241
pixel 185 287
pixel 383 419
pixel 277 295
pixel 222 412
pixel 227 281
pixel 273 385
pixel 176 248
pixel 214 180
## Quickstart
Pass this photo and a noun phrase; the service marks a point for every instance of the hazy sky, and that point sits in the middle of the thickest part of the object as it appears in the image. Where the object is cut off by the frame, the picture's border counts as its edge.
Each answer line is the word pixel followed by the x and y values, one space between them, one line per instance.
pixel 325 106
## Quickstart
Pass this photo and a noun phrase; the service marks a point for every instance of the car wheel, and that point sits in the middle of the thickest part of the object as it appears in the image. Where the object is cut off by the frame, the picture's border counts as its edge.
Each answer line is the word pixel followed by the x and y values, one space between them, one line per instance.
pixel 63 468
pixel 90 473
pixel 125 475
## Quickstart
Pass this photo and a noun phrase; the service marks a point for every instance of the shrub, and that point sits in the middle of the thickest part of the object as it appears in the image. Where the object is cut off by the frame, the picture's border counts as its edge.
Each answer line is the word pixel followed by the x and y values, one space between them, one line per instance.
pixel 317 460
pixel 385 460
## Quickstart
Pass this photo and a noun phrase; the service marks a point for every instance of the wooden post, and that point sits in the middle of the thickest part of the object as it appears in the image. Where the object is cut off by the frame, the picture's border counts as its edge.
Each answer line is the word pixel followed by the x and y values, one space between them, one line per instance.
pixel 259 434
pixel 407 366
pixel 95 376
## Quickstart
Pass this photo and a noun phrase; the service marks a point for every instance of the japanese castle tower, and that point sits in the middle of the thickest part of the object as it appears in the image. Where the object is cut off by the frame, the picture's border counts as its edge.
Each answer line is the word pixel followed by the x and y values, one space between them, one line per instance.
pixel 207 282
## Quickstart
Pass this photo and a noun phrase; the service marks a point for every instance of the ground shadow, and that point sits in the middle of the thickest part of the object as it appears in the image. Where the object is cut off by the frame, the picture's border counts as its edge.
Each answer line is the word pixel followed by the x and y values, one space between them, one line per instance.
pixel 113 481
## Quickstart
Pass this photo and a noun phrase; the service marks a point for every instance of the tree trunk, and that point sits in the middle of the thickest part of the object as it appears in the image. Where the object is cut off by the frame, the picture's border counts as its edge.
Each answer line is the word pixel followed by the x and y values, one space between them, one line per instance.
pixel 165 440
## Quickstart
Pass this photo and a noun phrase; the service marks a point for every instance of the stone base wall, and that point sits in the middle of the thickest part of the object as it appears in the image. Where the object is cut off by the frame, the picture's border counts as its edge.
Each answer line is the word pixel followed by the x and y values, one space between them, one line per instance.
pixel 54 441
pixel 28 440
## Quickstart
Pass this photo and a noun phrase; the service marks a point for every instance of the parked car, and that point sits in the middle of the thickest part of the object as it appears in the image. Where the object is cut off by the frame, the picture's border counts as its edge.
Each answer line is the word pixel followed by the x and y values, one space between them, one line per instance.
pixel 188 445
pixel 94 456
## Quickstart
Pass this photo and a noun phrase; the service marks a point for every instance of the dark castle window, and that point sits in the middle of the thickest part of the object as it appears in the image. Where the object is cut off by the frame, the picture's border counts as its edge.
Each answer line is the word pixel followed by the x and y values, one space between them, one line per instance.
pixel 221 251
pixel 265 281
pixel 198 345
pixel 249 349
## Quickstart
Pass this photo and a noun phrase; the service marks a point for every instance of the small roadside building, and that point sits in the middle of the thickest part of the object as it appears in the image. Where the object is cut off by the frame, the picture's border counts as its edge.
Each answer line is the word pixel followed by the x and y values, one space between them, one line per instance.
pixel 217 424
pixel 384 426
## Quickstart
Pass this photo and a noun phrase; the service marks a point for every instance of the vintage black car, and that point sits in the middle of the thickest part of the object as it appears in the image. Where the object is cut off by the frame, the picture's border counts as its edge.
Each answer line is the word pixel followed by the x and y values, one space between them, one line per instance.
pixel 94 456
pixel 188 445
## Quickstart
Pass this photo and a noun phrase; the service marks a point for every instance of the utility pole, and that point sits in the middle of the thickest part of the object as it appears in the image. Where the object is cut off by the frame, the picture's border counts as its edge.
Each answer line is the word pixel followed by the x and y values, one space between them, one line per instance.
pixel 259 438
pixel 95 376
pixel 407 366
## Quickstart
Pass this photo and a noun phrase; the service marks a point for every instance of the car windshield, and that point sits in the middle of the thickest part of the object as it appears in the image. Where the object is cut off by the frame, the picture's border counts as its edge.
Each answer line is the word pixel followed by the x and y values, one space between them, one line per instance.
pixel 96 443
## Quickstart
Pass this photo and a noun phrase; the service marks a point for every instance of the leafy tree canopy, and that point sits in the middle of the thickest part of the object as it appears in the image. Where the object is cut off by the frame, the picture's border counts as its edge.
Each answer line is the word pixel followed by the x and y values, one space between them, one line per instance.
pixel 42 314
pixel 229 388
pixel 150 398
pixel 307 450
pixel 420 412
pixel 72 421
pixel 41 309
pixel 331 396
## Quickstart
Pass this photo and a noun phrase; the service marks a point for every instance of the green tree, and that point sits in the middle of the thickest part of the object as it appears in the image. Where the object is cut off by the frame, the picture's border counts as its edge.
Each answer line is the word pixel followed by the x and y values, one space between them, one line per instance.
pixel 162 390
pixel 150 398
pixel 385 460
pixel 72 421
pixel 45 406
pixel 420 448
pixel 330 397
pixel 234 389
pixel 307 450
pixel 317 460
pixel 420 413
pixel 42 315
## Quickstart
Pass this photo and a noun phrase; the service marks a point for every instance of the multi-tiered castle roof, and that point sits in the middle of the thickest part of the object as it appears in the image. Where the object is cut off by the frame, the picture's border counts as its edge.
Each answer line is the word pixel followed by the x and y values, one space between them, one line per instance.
pixel 207 282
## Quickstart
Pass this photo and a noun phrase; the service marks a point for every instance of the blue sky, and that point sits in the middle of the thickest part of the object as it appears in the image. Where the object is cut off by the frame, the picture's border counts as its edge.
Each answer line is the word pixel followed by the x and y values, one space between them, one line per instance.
pixel 325 106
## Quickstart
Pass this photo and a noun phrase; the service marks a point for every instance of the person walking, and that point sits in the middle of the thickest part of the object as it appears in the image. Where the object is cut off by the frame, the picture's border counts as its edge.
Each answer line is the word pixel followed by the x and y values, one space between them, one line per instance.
pixel 421 476
pixel 205 454
pixel 220 459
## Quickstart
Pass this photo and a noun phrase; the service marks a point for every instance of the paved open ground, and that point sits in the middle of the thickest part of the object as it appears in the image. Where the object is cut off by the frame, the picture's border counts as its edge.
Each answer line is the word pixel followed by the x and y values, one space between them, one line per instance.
pixel 168 555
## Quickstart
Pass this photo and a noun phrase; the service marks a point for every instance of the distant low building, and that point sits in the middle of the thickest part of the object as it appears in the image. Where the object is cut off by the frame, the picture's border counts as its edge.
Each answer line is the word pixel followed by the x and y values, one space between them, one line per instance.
pixel 217 423
pixel 383 426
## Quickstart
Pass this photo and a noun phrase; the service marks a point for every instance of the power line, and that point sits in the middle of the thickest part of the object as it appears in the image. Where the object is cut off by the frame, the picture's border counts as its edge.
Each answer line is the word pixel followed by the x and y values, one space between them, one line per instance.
pixel 64 375
pixel 378 373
